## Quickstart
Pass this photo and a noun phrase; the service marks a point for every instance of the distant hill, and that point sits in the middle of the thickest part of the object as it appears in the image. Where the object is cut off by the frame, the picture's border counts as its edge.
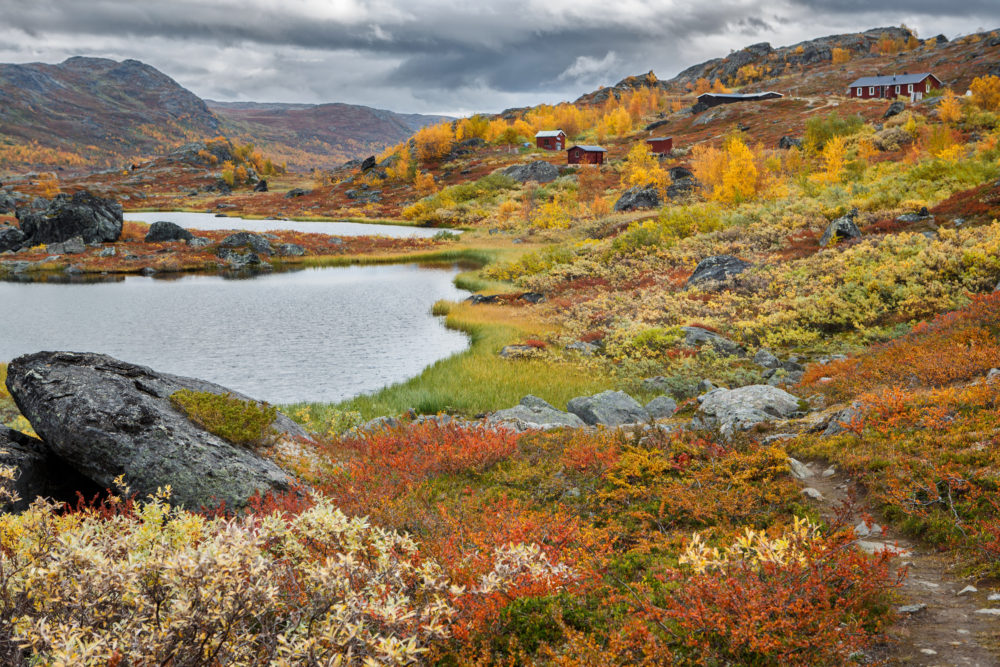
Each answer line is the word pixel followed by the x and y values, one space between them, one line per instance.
pixel 92 113
pixel 321 135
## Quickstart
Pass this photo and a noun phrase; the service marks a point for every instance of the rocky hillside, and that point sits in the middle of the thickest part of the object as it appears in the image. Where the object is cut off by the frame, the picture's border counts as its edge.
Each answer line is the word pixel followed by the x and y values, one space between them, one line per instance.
pixel 321 136
pixel 761 66
pixel 94 111
pixel 87 113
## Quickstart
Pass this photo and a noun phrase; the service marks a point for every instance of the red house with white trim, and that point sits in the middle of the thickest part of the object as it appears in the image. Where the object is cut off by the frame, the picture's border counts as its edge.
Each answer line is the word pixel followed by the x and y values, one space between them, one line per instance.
pixel 551 140
pixel 879 87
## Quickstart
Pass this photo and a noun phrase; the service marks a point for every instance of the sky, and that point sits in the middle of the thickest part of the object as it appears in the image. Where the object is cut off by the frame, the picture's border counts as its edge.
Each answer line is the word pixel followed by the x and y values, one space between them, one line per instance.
pixel 439 56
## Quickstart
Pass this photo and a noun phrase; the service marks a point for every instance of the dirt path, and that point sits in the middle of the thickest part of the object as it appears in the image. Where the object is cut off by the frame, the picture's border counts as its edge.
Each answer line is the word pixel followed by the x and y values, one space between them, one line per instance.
pixel 946 630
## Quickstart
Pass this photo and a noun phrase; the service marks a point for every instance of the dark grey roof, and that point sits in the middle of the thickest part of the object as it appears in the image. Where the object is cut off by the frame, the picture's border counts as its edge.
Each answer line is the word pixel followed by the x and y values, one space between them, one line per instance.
pixel 659 138
pixel 741 96
pixel 589 149
pixel 890 80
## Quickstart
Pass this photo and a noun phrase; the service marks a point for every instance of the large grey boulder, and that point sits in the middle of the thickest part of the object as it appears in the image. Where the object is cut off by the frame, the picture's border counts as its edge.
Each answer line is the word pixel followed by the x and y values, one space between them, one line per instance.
pixel 717 269
pixel 682 187
pixel 638 197
pixel 540 171
pixel 661 407
pixel 534 413
pixel 237 260
pixel 37 473
pixel 894 109
pixel 841 228
pixel 609 408
pixel 786 143
pixel 765 359
pixel 696 337
pixel 163 230
pixel 95 219
pixel 7 203
pixel 73 246
pixel 30 458
pixel 255 242
pixel 739 409
pixel 11 238
pixel 105 418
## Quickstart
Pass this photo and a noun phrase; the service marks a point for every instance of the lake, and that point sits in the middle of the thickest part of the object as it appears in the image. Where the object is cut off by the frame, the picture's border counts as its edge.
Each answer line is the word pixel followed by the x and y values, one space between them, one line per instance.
pixel 208 221
pixel 317 334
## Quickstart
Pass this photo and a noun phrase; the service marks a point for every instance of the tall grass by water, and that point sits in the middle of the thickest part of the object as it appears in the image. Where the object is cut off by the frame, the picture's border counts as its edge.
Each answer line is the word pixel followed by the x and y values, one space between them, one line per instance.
pixel 477 380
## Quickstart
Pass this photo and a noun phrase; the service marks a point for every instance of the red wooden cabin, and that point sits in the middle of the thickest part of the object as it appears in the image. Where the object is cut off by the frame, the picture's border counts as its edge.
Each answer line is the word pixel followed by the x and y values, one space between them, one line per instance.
pixel 878 87
pixel 585 155
pixel 660 145
pixel 551 140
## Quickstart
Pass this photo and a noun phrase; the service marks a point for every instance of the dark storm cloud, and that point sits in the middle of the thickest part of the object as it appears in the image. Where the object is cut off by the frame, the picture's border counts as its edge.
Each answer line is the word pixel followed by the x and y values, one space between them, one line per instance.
pixel 434 55
pixel 982 8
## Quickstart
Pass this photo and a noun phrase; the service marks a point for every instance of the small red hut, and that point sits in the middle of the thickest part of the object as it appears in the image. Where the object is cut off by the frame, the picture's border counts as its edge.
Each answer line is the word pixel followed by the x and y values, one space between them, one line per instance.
pixel 585 155
pixel 551 140
pixel 660 145
pixel 911 85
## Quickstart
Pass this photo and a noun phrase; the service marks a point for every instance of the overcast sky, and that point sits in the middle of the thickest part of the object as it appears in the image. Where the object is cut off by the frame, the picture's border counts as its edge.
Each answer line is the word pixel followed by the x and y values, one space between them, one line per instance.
pixel 436 56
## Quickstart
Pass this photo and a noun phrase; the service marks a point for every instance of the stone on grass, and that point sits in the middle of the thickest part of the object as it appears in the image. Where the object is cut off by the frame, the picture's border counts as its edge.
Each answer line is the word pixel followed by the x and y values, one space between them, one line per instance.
pixel 608 408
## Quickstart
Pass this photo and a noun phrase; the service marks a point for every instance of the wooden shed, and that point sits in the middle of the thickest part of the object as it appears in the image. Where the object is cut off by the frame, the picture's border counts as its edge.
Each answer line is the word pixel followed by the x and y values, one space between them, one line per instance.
pixel 878 87
pixel 580 154
pixel 660 145
pixel 551 140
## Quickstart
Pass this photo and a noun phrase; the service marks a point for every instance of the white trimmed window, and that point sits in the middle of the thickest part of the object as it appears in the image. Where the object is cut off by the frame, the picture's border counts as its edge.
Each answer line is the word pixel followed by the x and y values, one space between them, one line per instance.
pixel 871 90
pixel 859 91
pixel 909 88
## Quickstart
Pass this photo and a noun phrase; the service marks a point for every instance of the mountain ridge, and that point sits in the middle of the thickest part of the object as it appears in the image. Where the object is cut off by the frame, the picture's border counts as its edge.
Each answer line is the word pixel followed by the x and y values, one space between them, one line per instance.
pixel 91 113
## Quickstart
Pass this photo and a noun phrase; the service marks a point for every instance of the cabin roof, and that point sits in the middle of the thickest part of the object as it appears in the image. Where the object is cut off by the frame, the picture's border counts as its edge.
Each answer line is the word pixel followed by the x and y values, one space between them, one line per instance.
pixel 890 80
pixel 589 149
pixel 548 133
pixel 741 96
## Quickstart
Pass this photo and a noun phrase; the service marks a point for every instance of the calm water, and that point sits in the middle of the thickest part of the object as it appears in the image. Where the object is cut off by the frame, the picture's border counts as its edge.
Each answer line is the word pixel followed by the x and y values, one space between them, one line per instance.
pixel 318 334
pixel 208 221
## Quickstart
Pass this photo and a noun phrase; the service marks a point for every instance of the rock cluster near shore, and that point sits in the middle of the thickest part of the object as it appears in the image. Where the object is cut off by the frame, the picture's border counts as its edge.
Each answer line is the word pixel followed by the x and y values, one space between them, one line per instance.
pixel 99 418
pixel 81 217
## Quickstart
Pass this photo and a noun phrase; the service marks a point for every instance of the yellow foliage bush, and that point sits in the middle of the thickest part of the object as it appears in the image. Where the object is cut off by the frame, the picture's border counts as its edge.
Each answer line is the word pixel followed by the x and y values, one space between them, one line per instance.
pixel 433 141
pixel 986 92
pixel 165 586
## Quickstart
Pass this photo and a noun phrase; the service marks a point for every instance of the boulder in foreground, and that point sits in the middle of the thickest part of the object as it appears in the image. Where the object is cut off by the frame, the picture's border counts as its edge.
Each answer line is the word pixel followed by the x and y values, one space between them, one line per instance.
pixel 609 408
pixel 739 409
pixel 534 413
pixel 104 418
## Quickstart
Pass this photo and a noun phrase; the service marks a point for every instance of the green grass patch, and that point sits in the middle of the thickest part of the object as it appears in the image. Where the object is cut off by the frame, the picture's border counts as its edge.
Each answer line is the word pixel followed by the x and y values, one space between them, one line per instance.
pixel 244 423
pixel 479 380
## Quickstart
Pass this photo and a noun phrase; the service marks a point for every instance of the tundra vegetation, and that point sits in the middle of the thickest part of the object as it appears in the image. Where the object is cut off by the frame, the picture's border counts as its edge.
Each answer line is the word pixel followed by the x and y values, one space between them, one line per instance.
pixel 455 543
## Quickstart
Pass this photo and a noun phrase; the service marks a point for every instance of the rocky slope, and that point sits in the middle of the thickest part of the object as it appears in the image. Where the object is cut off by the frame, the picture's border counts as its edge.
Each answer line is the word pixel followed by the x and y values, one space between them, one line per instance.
pixel 317 135
pixel 94 112
pixel 96 108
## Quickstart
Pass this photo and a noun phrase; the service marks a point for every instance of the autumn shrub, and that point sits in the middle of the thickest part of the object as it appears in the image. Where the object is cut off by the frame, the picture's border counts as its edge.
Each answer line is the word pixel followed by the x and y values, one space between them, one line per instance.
pixel 797 597
pixel 986 92
pixel 384 464
pixel 433 142
pixel 173 587
pixel 953 347
pixel 241 422
pixel 821 129
pixel 840 56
